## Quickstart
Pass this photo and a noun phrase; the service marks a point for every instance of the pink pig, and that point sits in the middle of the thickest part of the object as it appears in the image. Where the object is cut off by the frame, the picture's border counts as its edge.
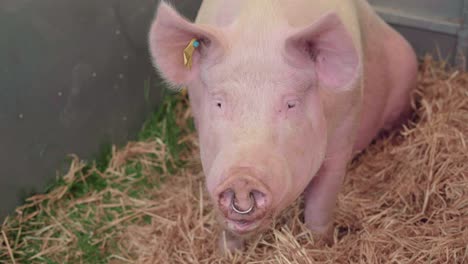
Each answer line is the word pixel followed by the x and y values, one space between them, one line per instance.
pixel 284 93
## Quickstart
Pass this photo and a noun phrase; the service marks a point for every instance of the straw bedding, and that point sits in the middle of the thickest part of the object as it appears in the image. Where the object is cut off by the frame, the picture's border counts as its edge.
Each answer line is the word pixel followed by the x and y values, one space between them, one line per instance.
pixel 405 199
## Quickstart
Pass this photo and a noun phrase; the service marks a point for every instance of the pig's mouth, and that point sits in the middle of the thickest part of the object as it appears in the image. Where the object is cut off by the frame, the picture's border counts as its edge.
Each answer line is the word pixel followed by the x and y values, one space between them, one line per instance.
pixel 242 227
pixel 246 227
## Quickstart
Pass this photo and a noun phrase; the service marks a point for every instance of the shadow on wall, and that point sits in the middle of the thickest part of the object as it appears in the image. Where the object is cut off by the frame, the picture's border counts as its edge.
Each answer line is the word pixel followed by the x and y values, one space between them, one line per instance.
pixel 74 76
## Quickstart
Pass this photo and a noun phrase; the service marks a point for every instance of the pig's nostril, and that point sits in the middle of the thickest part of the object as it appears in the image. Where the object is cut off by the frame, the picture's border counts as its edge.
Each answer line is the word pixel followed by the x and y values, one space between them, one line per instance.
pixel 248 210
pixel 226 198
pixel 259 198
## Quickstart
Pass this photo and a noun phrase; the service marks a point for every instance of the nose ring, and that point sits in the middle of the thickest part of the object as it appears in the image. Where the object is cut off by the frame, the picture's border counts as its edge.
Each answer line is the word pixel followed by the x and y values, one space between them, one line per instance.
pixel 237 210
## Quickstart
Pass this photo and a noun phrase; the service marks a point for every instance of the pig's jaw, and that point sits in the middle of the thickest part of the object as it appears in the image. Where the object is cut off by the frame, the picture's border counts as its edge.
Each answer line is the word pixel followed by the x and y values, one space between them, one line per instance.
pixel 245 228
pixel 242 227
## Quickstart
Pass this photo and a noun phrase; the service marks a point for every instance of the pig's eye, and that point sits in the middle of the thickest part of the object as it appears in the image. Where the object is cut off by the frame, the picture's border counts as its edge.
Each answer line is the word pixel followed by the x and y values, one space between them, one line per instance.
pixel 219 105
pixel 292 104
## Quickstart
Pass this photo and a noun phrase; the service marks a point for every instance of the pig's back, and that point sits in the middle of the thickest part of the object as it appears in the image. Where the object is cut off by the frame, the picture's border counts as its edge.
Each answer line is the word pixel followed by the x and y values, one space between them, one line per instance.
pixel 389 70
pixel 252 14
pixel 297 13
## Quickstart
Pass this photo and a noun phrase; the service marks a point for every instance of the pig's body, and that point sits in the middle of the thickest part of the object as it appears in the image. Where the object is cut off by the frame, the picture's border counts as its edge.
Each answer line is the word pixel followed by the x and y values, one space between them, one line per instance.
pixel 299 86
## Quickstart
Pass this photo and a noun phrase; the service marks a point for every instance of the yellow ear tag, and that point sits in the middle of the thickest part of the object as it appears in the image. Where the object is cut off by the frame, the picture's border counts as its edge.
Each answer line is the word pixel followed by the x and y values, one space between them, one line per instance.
pixel 188 54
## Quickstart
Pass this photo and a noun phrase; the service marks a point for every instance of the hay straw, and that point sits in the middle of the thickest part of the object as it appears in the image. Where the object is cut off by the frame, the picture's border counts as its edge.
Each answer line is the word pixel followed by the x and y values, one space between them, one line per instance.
pixel 404 200
pixel 7 243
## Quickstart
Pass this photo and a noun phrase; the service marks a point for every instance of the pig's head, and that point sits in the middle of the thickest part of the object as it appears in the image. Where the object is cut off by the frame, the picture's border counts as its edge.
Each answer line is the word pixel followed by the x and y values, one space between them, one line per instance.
pixel 256 93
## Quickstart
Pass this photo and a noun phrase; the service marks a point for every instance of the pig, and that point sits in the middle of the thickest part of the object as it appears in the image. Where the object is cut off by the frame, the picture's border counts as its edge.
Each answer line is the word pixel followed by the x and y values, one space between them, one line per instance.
pixel 284 93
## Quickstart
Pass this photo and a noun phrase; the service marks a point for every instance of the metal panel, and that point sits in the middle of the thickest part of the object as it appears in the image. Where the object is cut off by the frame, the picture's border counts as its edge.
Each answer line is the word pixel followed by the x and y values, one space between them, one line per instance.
pixel 441 45
pixel 430 25
pixel 448 10
pixel 74 75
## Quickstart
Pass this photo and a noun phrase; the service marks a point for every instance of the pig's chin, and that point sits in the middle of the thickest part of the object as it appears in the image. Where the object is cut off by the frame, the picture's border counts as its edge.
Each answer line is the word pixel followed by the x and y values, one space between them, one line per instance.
pixel 245 228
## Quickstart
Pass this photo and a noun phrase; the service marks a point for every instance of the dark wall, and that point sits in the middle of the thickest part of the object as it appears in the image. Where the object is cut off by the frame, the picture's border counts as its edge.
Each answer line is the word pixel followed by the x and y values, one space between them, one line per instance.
pixel 431 26
pixel 440 45
pixel 74 76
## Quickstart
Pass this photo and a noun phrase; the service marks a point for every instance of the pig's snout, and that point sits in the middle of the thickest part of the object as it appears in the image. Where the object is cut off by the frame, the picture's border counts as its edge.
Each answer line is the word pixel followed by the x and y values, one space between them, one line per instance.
pixel 244 202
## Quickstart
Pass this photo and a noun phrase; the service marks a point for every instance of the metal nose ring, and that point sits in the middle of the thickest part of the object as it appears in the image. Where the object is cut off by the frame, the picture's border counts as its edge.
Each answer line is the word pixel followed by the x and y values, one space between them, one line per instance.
pixel 237 210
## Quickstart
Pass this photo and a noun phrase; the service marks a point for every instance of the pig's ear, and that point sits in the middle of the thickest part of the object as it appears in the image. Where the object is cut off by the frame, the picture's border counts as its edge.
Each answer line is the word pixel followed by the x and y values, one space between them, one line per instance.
pixel 327 48
pixel 169 35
